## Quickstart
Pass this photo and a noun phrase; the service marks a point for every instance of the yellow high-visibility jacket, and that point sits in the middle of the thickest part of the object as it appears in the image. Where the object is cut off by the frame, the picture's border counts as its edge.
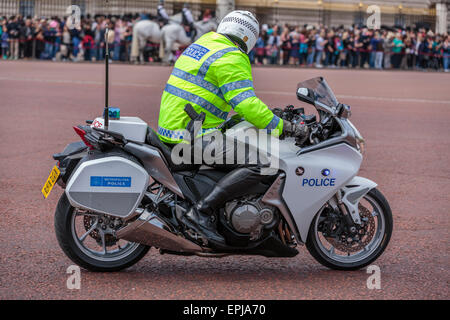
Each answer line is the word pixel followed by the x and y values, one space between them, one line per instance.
pixel 214 76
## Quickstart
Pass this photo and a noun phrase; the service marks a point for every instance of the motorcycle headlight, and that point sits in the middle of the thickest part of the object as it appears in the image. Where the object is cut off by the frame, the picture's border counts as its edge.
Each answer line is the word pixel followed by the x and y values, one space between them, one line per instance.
pixel 360 142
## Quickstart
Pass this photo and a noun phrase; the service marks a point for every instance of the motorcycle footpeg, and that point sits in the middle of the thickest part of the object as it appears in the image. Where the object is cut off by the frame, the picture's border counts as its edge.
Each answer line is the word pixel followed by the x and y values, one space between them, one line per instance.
pixel 196 237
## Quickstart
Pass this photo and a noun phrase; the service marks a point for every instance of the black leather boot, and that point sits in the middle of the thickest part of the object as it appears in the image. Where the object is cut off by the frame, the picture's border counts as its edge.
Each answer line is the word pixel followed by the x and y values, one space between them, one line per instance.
pixel 199 217
pixel 204 224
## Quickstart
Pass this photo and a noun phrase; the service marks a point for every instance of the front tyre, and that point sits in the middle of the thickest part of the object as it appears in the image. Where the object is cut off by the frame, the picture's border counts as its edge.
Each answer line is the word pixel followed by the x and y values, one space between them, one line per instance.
pixel 332 246
pixel 87 239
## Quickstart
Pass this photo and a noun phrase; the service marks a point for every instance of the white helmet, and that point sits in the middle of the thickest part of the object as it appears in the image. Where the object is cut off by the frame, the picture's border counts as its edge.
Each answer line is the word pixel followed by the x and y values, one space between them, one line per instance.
pixel 242 26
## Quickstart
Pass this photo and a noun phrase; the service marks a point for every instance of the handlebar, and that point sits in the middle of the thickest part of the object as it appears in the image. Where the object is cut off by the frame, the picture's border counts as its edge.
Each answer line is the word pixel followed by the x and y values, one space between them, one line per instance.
pixel 319 130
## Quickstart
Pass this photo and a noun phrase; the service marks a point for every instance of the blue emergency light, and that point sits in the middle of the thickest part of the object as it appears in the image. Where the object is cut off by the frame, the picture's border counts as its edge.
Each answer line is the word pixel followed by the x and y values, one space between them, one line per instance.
pixel 113 114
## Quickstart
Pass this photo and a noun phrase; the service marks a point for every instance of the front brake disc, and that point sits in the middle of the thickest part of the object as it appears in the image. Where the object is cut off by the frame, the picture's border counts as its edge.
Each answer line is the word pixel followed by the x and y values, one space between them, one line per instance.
pixel 365 233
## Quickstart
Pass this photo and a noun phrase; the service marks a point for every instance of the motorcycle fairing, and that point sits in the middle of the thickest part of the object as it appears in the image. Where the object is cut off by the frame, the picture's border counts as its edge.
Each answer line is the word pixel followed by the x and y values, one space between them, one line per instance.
pixel 155 164
pixel 353 191
pixel 302 199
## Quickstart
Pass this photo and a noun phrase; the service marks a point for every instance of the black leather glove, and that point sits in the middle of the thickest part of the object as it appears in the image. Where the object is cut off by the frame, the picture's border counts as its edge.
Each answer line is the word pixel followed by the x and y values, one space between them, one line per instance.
pixel 278 112
pixel 285 114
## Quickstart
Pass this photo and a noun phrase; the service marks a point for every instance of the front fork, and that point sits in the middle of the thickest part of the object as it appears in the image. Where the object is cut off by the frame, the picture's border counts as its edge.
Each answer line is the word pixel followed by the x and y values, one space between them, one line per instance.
pixel 346 200
pixel 338 206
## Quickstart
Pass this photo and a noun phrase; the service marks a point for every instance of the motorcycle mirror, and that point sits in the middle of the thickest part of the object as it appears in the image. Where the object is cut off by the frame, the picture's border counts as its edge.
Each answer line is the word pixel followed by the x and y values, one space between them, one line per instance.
pixel 306 95
pixel 344 111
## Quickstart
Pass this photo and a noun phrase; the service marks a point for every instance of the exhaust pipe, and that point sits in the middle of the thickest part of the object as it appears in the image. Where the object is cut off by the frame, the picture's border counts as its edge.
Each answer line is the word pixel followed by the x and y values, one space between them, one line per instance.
pixel 150 230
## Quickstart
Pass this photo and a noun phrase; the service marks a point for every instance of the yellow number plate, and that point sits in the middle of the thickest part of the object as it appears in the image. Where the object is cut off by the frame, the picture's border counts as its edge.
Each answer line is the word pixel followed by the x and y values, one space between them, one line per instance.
pixel 48 186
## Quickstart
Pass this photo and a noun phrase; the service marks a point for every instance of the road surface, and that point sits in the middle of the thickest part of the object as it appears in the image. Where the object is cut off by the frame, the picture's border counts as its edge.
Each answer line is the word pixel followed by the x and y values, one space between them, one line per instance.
pixel 404 116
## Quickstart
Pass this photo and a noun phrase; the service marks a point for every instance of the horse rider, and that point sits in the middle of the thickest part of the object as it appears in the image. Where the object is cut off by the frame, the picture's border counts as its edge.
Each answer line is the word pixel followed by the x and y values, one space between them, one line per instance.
pixel 188 21
pixel 161 13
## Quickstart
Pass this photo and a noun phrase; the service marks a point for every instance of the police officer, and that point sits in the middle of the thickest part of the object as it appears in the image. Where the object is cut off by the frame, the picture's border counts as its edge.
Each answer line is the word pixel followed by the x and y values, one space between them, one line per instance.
pixel 188 20
pixel 162 13
pixel 214 75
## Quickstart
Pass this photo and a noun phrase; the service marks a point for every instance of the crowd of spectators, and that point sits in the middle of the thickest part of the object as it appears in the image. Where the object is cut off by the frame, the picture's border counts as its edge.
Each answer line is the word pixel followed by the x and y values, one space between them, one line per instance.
pixel 53 39
pixel 353 47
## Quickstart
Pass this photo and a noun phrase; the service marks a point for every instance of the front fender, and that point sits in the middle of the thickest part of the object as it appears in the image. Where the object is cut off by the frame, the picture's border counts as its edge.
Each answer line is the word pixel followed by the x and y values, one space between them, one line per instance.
pixel 353 191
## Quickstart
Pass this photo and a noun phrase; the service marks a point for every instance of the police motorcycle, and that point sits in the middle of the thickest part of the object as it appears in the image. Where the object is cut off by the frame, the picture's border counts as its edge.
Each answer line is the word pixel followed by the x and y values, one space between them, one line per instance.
pixel 124 194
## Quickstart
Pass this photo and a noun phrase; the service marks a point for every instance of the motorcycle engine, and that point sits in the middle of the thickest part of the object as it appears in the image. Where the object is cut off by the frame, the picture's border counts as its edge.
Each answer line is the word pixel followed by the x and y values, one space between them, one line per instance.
pixel 250 216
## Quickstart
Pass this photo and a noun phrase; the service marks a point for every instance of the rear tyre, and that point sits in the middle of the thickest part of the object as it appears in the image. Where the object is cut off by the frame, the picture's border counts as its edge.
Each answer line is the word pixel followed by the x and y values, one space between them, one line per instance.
pixel 73 247
pixel 375 209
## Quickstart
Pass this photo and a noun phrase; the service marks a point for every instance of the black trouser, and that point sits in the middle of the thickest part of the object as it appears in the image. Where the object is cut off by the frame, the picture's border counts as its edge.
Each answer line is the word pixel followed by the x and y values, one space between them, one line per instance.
pixel 193 31
pixel 396 60
pixel 364 58
pixel 245 171
pixel 243 161
pixel 28 51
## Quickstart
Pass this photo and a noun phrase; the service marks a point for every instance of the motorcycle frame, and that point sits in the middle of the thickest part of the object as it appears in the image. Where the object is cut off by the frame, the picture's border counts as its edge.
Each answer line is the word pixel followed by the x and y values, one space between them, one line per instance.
pixel 297 203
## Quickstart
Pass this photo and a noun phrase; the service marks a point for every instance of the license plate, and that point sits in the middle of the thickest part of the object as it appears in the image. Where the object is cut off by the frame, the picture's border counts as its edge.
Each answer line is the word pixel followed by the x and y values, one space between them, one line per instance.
pixel 48 186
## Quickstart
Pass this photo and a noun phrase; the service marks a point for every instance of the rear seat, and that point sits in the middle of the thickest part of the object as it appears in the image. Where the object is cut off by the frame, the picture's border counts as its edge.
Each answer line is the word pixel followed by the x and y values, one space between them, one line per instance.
pixel 153 140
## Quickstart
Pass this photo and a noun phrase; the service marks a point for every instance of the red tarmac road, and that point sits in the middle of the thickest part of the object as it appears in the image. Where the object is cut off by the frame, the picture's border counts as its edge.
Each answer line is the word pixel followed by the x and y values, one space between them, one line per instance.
pixel 404 116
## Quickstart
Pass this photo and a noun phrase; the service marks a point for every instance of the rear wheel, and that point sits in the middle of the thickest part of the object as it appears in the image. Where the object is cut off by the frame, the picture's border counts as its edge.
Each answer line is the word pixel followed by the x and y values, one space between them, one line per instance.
pixel 87 238
pixel 334 247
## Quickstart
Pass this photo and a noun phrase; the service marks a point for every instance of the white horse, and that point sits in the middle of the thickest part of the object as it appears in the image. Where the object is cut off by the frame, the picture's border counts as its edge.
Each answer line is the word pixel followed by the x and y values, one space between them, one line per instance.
pixel 143 31
pixel 173 35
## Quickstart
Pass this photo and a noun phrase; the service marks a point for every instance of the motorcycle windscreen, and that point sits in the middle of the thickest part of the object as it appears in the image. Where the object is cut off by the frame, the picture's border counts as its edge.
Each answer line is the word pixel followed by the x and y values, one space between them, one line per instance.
pixel 111 185
pixel 324 94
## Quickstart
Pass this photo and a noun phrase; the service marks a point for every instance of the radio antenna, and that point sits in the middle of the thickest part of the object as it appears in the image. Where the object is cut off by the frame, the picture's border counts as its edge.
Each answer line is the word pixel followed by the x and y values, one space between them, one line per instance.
pixel 106 111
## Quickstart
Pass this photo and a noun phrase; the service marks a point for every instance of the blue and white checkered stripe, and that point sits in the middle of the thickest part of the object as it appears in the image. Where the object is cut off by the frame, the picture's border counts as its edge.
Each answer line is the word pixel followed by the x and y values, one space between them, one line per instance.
pixel 173 134
pixel 212 58
pixel 197 100
pixel 241 97
pixel 178 134
pixel 273 123
pixel 236 85
pixel 199 81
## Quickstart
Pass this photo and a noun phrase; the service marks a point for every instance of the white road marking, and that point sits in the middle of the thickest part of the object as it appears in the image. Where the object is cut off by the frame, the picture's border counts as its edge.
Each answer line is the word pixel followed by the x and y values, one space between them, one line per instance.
pixel 415 100
pixel 283 93
pixel 342 96
pixel 83 82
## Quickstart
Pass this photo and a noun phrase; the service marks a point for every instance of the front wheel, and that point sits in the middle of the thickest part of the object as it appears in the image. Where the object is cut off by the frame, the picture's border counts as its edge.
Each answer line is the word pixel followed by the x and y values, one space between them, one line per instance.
pixel 330 243
pixel 87 238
